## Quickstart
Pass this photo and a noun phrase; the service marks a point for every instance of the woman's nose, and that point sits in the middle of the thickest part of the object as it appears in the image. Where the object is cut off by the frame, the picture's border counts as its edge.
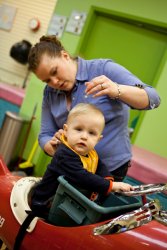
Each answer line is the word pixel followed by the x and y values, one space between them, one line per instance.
pixel 54 80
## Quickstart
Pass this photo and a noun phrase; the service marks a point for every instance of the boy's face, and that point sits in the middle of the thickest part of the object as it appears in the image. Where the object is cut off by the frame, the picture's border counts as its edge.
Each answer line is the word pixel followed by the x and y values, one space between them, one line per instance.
pixel 83 132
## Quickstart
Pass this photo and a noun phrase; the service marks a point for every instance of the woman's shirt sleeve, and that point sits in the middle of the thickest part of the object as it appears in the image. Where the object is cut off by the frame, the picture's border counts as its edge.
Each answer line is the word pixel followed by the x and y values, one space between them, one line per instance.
pixel 48 125
pixel 118 73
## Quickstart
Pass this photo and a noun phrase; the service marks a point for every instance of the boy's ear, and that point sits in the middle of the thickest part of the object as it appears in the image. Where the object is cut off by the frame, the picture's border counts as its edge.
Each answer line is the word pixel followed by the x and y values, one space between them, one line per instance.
pixel 101 136
pixel 65 127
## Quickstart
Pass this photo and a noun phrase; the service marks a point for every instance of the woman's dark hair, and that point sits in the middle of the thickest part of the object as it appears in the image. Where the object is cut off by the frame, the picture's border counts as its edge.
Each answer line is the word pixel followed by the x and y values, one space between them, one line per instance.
pixel 49 45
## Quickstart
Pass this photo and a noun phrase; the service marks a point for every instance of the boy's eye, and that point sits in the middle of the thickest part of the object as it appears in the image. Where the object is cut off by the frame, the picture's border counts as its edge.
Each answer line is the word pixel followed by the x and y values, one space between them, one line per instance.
pixel 79 129
pixel 92 133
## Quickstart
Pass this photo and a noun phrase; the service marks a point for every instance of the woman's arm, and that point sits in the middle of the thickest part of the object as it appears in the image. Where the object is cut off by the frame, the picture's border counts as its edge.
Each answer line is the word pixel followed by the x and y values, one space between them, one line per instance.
pixel 46 137
pixel 119 83
pixel 135 96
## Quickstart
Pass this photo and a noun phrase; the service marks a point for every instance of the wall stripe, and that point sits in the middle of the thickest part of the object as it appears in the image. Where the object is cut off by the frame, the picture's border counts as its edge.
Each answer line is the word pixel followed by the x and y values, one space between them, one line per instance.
pixel 12 72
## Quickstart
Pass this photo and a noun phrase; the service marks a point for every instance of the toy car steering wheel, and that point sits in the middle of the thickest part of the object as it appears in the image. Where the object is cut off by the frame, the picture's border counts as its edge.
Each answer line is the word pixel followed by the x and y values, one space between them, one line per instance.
pixel 146 189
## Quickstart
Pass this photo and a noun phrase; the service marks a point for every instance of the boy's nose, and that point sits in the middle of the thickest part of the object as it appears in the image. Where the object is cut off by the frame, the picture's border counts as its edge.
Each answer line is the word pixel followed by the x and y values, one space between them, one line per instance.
pixel 84 135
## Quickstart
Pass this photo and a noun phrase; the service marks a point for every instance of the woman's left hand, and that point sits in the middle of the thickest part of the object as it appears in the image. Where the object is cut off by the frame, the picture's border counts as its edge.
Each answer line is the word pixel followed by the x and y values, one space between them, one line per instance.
pixel 102 85
pixel 131 95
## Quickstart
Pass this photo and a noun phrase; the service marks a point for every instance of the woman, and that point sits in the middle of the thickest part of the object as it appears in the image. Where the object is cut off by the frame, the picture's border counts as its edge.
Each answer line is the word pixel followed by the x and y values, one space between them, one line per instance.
pixel 102 82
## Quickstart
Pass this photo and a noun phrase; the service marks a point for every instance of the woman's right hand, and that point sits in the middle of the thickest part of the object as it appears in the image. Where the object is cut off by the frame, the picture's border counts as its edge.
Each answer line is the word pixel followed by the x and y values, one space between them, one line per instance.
pixel 51 146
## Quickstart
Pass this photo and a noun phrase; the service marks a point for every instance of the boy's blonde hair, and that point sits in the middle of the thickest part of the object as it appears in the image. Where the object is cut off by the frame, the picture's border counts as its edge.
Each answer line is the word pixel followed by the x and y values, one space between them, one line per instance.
pixel 85 108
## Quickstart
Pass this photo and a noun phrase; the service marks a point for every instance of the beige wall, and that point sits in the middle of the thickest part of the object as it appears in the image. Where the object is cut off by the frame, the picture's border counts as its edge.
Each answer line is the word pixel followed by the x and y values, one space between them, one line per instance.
pixel 12 72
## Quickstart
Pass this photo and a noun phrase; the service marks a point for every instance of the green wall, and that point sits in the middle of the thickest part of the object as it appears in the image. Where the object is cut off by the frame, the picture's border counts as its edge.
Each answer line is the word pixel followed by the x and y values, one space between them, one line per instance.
pixel 152 133
pixel 151 11
pixel 128 41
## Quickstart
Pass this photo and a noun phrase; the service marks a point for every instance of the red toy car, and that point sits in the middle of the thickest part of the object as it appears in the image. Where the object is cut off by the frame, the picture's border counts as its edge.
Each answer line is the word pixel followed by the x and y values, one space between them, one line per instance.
pixel 75 222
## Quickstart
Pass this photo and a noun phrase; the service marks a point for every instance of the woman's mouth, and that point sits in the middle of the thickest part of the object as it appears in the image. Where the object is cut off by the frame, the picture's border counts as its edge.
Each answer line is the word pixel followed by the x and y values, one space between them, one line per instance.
pixel 61 85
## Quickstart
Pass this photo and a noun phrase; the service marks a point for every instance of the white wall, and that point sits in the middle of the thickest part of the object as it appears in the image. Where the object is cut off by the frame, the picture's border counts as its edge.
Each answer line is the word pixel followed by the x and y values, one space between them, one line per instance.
pixel 12 72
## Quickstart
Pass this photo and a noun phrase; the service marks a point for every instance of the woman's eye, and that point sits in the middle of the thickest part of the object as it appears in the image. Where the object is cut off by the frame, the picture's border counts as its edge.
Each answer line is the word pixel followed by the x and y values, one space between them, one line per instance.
pixel 54 72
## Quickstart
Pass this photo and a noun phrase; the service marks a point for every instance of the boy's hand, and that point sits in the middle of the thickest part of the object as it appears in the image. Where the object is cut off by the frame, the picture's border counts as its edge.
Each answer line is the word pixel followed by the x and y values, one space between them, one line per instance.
pixel 121 186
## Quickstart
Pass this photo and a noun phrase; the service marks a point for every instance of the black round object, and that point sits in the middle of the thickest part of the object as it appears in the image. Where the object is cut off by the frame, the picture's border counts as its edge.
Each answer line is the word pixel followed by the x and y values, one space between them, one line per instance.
pixel 19 51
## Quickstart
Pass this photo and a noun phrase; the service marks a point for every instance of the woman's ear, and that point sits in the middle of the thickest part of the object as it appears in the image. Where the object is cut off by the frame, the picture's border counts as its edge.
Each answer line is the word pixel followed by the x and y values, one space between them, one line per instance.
pixel 65 54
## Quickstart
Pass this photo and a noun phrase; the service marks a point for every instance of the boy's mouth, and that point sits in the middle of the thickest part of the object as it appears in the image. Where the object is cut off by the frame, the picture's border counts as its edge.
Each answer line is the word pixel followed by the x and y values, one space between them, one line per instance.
pixel 81 144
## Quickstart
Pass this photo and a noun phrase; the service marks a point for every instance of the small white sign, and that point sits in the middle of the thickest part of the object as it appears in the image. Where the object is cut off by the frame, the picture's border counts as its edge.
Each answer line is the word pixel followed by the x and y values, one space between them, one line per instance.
pixel 76 22
pixel 7 14
pixel 57 25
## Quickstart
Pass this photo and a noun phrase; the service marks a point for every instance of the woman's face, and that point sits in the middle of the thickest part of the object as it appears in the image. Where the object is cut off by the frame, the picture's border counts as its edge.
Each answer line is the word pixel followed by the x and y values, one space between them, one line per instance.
pixel 57 72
